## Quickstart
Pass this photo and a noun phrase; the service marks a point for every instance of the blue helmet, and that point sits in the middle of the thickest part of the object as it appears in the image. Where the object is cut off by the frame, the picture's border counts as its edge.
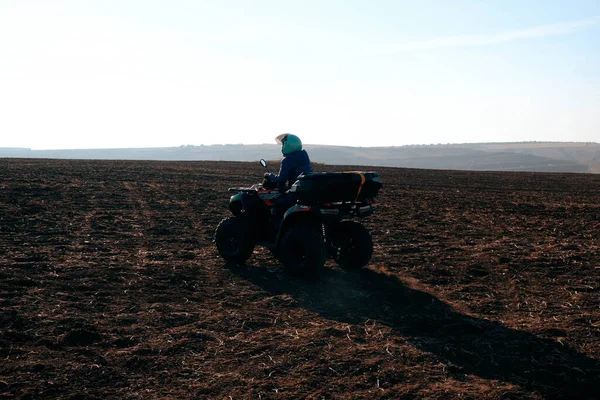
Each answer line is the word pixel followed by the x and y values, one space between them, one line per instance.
pixel 289 143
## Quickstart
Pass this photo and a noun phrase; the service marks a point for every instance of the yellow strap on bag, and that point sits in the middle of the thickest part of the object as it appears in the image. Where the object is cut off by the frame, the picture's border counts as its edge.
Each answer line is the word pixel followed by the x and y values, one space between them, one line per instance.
pixel 362 182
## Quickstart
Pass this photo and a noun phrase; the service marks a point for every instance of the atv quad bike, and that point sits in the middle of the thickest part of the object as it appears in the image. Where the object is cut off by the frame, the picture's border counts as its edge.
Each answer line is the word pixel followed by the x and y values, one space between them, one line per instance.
pixel 319 225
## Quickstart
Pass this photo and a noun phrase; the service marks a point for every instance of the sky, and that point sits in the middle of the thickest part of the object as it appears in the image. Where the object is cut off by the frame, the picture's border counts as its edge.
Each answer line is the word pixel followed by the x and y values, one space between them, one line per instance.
pixel 149 73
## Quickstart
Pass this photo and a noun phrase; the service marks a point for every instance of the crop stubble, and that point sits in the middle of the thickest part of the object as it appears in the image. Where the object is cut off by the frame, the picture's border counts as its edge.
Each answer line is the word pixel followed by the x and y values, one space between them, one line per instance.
pixel 483 285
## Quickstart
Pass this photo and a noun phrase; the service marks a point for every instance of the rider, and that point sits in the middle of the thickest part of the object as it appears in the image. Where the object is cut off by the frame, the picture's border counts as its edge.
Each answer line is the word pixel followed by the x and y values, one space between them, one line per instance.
pixel 295 161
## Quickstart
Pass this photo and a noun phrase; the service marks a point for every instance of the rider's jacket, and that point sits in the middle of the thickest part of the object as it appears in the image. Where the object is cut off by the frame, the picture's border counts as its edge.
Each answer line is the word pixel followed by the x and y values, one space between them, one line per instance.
pixel 292 165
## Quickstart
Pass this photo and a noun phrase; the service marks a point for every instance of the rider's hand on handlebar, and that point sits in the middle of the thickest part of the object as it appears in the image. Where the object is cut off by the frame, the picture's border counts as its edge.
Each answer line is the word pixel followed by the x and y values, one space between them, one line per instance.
pixel 267 176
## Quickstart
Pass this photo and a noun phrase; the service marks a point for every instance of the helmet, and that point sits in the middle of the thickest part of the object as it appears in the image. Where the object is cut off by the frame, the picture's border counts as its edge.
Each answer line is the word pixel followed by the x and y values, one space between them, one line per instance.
pixel 289 143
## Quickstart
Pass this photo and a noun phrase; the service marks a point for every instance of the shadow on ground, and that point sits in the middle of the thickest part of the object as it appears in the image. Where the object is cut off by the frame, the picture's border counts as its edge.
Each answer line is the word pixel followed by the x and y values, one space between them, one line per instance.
pixel 487 349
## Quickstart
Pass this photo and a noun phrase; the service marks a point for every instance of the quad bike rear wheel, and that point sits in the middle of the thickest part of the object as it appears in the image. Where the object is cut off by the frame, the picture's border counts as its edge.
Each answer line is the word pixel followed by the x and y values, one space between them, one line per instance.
pixel 234 240
pixel 352 245
pixel 302 250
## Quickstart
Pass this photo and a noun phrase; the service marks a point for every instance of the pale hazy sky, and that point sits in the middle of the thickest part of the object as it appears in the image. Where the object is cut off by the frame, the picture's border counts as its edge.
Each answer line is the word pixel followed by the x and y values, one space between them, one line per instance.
pixel 140 73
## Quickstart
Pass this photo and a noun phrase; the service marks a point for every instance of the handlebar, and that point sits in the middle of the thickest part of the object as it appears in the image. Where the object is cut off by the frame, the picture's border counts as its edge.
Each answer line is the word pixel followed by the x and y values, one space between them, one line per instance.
pixel 256 187
pixel 252 188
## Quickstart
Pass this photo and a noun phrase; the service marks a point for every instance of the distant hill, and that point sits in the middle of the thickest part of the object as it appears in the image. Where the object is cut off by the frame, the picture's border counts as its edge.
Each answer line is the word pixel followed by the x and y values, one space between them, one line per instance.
pixel 529 156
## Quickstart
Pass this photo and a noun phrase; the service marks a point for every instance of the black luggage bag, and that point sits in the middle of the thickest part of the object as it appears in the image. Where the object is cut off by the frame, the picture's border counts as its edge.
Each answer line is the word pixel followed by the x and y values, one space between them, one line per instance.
pixel 330 187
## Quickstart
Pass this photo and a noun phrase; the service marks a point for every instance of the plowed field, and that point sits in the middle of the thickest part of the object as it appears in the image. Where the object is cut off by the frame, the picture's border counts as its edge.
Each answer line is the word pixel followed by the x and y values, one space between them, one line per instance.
pixel 482 285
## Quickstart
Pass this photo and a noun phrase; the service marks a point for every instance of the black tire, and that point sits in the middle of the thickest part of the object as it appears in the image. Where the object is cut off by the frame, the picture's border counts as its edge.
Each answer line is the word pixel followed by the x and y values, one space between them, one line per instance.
pixel 352 245
pixel 302 250
pixel 274 252
pixel 234 240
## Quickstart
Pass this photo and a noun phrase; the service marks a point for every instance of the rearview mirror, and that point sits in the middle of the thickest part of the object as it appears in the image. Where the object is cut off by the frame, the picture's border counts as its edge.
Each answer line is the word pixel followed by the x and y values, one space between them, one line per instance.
pixel 263 163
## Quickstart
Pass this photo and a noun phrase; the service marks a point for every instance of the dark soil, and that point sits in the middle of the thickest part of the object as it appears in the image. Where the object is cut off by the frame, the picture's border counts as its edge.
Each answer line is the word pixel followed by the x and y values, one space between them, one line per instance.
pixel 482 285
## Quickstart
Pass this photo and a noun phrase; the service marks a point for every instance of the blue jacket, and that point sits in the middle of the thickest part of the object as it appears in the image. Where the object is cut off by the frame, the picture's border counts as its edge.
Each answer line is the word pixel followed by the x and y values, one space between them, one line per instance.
pixel 292 165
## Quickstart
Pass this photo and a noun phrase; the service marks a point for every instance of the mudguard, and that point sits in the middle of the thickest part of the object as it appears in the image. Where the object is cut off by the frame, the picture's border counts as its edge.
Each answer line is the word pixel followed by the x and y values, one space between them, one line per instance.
pixel 296 214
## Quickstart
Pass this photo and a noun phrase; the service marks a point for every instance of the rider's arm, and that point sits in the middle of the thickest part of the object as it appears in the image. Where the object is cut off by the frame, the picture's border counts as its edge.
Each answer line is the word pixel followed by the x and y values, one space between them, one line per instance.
pixel 284 171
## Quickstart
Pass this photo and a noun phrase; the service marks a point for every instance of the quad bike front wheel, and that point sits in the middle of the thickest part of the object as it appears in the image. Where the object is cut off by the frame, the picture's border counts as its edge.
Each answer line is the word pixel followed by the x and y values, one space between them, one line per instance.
pixel 234 240
pixel 302 250
pixel 352 245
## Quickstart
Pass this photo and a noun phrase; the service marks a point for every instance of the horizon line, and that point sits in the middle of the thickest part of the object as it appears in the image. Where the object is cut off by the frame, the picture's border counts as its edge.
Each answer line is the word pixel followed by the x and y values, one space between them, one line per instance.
pixel 307 144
